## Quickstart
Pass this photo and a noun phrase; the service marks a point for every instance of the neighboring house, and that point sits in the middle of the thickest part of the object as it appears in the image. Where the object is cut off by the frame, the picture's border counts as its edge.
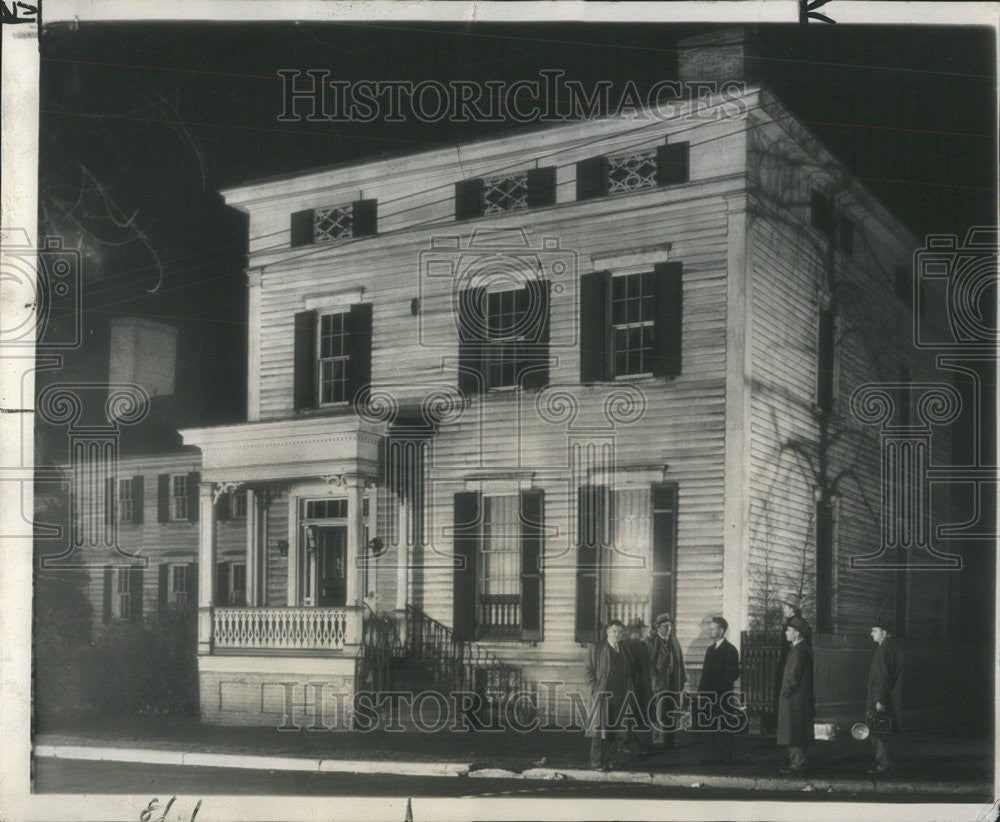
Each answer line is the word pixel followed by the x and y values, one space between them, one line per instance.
pixel 153 505
pixel 517 387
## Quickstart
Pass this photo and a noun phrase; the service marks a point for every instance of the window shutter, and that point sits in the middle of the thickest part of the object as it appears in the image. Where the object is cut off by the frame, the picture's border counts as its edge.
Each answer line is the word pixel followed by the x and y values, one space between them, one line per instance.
pixel 664 501
pixel 110 509
pixel 669 320
pixel 138 499
pixel 163 498
pixel 591 178
pixel 360 365
pixel 592 534
pixel 594 348
pixel 192 584
pixel 532 550
pixel 468 199
pixel 471 336
pixel 224 507
pixel 302 228
pixel 109 587
pixel 222 583
pixel 542 186
pixel 672 164
pixel 467 508
pixel 364 216
pixel 304 391
pixel 535 368
pixel 162 583
pixel 193 479
pixel 135 592
pixel 825 360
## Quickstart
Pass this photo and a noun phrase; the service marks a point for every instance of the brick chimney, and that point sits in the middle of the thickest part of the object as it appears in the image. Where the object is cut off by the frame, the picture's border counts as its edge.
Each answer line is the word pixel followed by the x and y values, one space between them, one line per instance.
pixel 143 352
pixel 718 56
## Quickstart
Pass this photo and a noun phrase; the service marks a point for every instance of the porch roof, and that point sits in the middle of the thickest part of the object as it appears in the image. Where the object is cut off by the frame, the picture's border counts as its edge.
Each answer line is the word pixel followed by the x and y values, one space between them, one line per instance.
pixel 288 449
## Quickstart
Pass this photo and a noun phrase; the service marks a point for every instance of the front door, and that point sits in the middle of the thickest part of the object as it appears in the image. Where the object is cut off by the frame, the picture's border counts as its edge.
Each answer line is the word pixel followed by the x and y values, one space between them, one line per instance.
pixel 331 571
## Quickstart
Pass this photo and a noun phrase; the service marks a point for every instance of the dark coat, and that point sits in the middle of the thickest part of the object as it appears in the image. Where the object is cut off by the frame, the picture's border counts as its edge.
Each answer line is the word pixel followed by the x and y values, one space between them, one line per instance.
pixel 721 668
pixel 796 701
pixel 666 664
pixel 639 651
pixel 786 646
pixel 885 680
pixel 598 669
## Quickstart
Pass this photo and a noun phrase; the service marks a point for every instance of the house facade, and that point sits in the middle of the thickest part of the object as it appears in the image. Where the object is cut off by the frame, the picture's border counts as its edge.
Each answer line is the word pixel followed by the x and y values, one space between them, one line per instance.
pixel 518 387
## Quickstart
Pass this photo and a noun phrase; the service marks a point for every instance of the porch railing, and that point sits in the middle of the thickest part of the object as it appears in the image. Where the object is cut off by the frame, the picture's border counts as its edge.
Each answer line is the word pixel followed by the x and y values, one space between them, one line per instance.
pixel 629 608
pixel 458 664
pixel 379 645
pixel 761 652
pixel 285 629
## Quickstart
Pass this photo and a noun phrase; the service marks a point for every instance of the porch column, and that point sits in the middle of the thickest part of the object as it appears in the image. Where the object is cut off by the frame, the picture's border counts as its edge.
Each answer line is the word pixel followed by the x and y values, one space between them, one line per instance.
pixel 254 570
pixel 355 484
pixel 206 565
pixel 406 527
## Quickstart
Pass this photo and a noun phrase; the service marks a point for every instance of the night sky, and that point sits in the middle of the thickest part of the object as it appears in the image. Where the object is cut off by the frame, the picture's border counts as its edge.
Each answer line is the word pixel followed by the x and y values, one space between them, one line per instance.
pixel 146 123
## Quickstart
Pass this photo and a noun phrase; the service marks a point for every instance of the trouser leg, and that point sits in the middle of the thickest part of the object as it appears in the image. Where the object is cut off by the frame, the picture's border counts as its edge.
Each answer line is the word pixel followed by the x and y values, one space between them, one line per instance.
pixel 882 751
pixel 598 750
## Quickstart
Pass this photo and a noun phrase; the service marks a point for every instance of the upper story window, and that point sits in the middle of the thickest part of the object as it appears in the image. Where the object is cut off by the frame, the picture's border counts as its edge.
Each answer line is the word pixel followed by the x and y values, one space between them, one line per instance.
pixel 630 323
pixel 332 356
pixel 509 192
pixel 232 505
pixel 177 497
pixel 632 171
pixel 231 584
pixel 336 222
pixel 129 501
pixel 504 338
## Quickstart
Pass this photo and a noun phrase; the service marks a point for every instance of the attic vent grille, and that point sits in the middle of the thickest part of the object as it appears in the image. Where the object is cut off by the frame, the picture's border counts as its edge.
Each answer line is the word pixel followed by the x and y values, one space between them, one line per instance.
pixel 632 172
pixel 333 223
pixel 506 193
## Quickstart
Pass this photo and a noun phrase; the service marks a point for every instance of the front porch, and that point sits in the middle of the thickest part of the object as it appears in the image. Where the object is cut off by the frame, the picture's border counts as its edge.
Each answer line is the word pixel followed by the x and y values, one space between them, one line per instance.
pixel 314 494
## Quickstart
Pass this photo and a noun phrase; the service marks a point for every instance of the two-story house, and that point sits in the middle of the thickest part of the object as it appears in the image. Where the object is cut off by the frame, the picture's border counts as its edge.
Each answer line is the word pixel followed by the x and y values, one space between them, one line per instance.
pixel 515 388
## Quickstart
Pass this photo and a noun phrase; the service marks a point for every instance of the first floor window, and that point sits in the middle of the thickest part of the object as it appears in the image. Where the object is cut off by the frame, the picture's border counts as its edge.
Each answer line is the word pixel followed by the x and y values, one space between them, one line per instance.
pixel 179 587
pixel 498 565
pixel 122 593
pixel 231 584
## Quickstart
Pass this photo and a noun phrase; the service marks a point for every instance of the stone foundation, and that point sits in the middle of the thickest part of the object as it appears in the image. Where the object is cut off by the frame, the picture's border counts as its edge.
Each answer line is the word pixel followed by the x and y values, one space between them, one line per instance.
pixel 293 693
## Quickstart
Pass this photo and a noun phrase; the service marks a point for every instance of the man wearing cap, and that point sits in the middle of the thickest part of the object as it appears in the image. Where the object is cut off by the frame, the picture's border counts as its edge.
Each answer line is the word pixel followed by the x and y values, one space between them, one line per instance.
pixel 796 704
pixel 610 673
pixel 719 673
pixel 791 606
pixel 668 678
pixel 885 683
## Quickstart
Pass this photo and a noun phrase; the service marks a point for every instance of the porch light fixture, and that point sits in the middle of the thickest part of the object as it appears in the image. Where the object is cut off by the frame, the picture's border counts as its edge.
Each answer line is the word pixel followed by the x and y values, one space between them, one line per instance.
pixel 376 546
pixel 282 547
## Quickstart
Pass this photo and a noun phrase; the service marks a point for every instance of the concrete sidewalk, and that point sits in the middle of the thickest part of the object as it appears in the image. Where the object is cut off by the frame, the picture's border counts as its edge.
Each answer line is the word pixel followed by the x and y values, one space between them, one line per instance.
pixel 81 748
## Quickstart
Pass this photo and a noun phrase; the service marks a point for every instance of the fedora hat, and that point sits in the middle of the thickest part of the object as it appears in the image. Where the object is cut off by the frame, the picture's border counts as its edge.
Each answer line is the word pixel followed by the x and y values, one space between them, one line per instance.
pixel 661 619
pixel 791 600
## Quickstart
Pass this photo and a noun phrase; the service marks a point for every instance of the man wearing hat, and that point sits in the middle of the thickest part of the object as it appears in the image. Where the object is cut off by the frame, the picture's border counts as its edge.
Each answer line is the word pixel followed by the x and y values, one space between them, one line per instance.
pixel 668 678
pixel 791 606
pixel 885 684
pixel 796 703
pixel 610 670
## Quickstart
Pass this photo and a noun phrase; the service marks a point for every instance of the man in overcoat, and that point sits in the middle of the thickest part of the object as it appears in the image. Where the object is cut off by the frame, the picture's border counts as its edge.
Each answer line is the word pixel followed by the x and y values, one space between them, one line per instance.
pixel 791 607
pixel 667 679
pixel 638 647
pixel 796 701
pixel 885 684
pixel 610 673
pixel 719 673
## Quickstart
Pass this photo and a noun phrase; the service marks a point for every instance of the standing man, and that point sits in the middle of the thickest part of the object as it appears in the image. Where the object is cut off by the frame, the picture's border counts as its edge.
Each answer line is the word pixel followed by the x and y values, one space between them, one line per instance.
pixel 719 673
pixel 610 674
pixel 791 607
pixel 668 678
pixel 638 648
pixel 885 685
pixel 796 703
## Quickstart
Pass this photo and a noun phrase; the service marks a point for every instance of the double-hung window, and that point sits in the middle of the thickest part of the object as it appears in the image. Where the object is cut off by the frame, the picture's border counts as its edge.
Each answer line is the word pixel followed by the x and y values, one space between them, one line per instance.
pixel 125 509
pixel 630 323
pixel 498 565
pixel 122 593
pixel 504 338
pixel 332 356
pixel 177 497
pixel 179 586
